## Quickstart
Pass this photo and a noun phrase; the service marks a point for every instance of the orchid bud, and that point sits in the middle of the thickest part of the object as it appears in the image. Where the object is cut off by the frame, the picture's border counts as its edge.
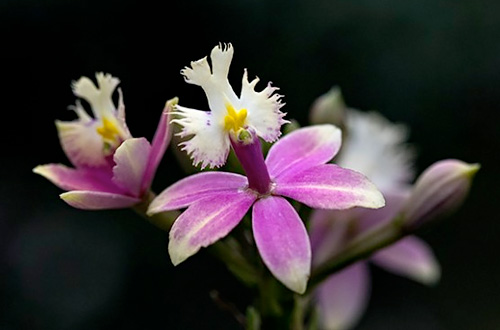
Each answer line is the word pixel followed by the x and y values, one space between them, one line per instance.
pixel 329 108
pixel 438 191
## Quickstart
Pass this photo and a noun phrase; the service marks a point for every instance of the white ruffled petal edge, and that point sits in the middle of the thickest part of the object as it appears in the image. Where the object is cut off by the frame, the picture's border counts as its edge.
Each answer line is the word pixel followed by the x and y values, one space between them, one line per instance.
pixel 263 108
pixel 214 80
pixel 98 97
pixel 209 145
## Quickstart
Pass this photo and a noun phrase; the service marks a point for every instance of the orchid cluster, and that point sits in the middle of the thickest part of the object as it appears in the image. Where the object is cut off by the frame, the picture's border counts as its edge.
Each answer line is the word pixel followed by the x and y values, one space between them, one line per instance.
pixel 320 210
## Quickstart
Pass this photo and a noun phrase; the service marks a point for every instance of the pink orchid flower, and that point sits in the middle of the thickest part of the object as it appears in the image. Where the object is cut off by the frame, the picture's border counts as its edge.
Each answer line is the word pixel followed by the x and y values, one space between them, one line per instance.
pixel 343 297
pixel 111 168
pixel 295 167
pixel 376 147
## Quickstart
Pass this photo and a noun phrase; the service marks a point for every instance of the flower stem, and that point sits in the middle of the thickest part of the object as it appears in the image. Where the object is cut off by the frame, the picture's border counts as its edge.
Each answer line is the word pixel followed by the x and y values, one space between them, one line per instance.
pixel 229 251
pixel 162 220
pixel 300 304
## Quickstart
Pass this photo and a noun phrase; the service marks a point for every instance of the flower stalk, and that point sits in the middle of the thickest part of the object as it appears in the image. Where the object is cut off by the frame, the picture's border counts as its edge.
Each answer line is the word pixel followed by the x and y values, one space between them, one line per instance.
pixel 162 220
pixel 360 248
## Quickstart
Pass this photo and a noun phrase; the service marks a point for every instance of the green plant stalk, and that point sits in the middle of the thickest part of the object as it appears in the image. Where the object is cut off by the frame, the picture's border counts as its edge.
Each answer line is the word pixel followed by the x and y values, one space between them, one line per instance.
pixel 163 220
pixel 300 305
pixel 360 248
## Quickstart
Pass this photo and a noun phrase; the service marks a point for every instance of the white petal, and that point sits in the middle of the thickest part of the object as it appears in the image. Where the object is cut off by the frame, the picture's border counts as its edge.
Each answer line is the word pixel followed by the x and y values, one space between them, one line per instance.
pixel 376 147
pixel 209 144
pixel 215 84
pixel 263 109
pixel 221 57
pixel 98 97
pixel 83 116
pixel 199 73
pixel 81 143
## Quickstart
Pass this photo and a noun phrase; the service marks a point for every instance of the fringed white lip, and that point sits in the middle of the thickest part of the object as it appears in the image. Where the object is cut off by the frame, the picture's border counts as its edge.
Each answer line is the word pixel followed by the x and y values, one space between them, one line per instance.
pixel 377 148
pixel 80 138
pixel 209 145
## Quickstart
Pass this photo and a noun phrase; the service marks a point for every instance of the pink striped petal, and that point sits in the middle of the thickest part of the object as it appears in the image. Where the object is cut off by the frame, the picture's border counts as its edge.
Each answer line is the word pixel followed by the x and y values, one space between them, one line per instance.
pixel 343 297
pixel 195 187
pixel 131 159
pixel 303 148
pixel 410 257
pixel 97 200
pixel 68 178
pixel 282 241
pixel 160 143
pixel 207 221
pixel 330 187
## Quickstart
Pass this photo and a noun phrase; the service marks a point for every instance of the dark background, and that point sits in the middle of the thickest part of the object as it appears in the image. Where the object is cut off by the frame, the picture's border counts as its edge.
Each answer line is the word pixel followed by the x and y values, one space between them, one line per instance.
pixel 434 65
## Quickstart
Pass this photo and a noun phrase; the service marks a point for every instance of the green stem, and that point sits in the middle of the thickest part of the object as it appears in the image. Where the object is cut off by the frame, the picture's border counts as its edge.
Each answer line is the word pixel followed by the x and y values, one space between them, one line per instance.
pixel 229 251
pixel 162 220
pixel 360 248
pixel 300 304
pixel 268 291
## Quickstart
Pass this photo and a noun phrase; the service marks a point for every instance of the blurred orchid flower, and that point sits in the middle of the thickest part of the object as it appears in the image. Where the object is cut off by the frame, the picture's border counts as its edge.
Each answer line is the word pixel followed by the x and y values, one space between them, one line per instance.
pixel 259 111
pixel 374 146
pixel 295 167
pixel 111 168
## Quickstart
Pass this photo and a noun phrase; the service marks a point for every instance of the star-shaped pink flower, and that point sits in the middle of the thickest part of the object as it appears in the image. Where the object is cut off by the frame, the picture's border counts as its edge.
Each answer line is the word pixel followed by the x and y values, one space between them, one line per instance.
pixel 217 201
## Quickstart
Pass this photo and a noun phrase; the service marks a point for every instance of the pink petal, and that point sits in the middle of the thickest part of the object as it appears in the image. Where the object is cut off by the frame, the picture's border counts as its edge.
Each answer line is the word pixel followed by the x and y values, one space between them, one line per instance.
pixel 303 148
pixel 196 187
pixel 343 297
pixel 410 257
pixel 78 179
pixel 282 241
pixel 131 159
pixel 96 200
pixel 207 221
pixel 330 187
pixel 160 143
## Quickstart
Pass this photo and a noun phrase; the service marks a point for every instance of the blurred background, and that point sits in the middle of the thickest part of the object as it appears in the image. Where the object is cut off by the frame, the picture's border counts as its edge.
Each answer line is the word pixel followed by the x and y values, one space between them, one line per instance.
pixel 434 65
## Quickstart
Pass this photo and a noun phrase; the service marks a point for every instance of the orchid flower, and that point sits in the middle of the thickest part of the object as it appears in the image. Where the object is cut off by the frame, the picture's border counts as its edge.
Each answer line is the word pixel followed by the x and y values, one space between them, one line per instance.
pixel 210 131
pixel 375 147
pixel 295 167
pixel 111 168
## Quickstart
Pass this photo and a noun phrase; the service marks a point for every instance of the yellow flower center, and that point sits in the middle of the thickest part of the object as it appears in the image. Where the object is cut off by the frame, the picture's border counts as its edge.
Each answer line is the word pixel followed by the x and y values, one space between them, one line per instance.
pixel 108 130
pixel 234 120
